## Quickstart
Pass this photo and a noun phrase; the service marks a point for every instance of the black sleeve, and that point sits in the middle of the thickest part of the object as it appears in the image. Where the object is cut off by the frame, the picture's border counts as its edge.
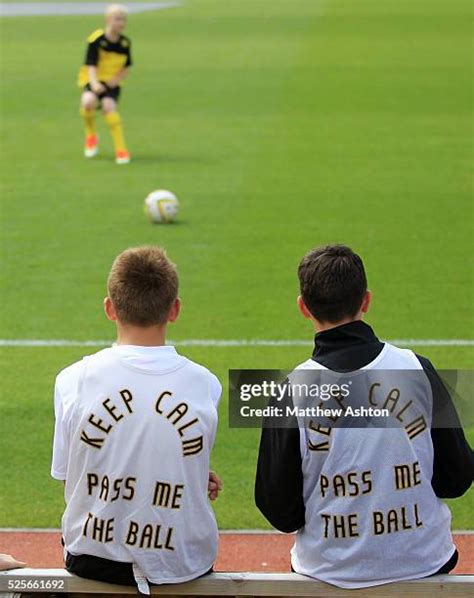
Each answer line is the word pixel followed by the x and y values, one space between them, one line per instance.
pixel 92 54
pixel 453 466
pixel 279 480
pixel 129 55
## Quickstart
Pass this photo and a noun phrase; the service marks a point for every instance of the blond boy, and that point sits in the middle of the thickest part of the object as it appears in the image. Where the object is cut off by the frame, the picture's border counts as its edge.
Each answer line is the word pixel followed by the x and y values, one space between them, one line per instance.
pixel 106 65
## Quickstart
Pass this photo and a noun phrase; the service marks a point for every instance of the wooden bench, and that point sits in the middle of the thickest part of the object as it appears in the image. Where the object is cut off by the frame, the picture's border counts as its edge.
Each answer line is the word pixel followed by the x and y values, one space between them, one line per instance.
pixel 245 585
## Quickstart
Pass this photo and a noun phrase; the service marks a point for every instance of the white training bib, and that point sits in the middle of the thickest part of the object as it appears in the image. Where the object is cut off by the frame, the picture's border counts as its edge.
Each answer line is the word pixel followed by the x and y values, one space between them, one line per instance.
pixel 135 443
pixel 371 514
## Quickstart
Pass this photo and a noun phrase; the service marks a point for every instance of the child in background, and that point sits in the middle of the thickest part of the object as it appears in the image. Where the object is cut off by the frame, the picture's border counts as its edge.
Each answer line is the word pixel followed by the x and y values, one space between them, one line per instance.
pixel 107 62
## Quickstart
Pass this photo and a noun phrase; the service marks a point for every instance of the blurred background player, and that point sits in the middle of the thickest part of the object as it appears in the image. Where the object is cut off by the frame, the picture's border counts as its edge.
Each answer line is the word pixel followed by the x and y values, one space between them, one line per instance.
pixel 108 59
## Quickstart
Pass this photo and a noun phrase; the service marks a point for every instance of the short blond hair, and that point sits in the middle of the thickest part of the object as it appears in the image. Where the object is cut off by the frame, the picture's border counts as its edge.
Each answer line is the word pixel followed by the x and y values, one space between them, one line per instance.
pixel 116 9
pixel 143 285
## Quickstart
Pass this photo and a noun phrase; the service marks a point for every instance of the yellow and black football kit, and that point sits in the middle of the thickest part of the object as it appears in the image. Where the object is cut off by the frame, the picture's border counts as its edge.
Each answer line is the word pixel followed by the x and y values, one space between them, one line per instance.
pixel 109 58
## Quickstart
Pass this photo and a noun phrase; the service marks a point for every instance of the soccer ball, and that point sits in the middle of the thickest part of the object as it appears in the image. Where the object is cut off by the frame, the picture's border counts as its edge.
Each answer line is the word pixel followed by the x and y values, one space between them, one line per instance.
pixel 161 206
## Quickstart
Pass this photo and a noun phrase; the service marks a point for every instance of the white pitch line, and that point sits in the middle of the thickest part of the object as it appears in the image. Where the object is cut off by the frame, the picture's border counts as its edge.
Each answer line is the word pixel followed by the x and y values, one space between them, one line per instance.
pixel 197 342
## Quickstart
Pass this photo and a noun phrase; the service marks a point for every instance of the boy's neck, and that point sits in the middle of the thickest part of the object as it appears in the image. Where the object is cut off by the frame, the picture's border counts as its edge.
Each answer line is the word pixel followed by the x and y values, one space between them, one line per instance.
pixel 112 35
pixel 151 336
pixel 323 326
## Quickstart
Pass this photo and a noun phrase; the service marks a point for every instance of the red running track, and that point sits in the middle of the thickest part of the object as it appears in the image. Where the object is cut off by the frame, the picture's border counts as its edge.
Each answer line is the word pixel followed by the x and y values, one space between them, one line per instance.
pixel 237 551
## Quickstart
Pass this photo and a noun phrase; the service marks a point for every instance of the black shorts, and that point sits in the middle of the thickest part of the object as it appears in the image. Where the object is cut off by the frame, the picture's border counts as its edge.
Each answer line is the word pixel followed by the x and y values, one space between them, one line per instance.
pixel 110 92
pixel 99 569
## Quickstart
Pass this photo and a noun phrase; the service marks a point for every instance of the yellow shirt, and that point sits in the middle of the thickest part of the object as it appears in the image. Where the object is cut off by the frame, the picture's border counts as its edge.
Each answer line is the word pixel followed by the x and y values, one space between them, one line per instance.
pixel 109 57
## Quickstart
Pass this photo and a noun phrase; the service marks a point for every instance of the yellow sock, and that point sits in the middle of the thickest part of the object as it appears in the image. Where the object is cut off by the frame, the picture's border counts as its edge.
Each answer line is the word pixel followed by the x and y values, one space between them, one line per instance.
pixel 89 121
pixel 115 125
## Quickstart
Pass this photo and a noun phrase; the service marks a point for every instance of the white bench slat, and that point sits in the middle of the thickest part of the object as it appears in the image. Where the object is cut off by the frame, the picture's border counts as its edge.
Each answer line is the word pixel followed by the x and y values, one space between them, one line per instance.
pixel 256 584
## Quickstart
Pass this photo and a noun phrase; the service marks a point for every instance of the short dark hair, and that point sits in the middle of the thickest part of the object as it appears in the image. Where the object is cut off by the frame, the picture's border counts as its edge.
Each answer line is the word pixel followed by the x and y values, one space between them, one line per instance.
pixel 143 284
pixel 332 282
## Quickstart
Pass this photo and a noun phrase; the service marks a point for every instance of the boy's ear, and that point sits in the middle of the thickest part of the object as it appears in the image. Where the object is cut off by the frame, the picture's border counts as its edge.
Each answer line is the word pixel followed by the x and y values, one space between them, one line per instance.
pixel 366 301
pixel 302 307
pixel 175 310
pixel 110 309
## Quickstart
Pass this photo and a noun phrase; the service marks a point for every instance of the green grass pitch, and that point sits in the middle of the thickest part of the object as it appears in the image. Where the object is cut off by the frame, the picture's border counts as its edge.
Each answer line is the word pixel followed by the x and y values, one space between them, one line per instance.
pixel 280 125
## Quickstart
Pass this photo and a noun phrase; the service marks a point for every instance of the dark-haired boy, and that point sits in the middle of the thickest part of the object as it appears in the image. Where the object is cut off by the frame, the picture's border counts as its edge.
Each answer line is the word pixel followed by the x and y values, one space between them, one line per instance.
pixel 365 502
pixel 135 425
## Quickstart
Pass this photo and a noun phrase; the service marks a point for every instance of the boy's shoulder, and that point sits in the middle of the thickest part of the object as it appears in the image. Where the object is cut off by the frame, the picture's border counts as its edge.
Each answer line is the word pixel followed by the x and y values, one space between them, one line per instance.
pixel 67 382
pixel 69 376
pixel 95 35
pixel 203 372
pixel 199 368
pixel 70 372
pixel 402 357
